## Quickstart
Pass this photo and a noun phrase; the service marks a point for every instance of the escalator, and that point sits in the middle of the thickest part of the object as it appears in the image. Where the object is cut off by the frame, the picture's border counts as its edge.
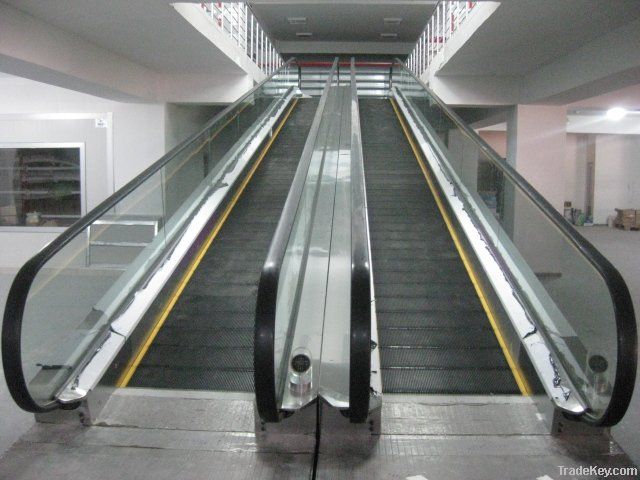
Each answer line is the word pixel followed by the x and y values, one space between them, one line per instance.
pixel 206 339
pixel 174 311
pixel 481 286
pixel 434 335
pixel 464 279
pixel 326 252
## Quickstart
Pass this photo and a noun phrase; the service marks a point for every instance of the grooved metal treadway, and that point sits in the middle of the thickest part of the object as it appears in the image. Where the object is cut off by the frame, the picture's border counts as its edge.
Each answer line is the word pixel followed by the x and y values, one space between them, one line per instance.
pixel 434 335
pixel 206 342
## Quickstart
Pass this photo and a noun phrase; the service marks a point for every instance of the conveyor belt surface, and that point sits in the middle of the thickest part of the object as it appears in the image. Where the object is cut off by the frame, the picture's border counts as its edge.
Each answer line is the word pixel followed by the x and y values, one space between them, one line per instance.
pixel 434 334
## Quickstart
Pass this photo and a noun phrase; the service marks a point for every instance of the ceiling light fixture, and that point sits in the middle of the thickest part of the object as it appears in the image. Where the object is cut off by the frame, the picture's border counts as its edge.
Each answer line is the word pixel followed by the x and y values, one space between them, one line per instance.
pixel 303 34
pixel 392 20
pixel 616 113
pixel 389 35
pixel 297 20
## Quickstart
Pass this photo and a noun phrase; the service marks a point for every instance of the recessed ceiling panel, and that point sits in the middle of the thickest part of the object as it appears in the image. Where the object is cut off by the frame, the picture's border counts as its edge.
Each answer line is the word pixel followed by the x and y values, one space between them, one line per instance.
pixel 345 22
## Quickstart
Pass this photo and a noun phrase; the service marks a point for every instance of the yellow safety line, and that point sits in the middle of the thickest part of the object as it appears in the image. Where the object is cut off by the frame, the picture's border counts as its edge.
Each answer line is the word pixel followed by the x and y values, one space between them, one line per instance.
pixel 124 379
pixel 519 377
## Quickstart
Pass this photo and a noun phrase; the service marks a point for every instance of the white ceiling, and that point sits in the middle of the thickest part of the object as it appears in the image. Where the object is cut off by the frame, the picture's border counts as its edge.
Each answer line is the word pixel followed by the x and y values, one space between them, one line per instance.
pixel 344 21
pixel 151 33
pixel 538 32
pixel 148 32
pixel 595 122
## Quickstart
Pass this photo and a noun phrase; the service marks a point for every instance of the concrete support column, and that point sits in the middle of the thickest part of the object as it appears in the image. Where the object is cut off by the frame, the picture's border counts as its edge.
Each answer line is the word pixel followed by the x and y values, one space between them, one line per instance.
pixel 536 141
pixel 464 158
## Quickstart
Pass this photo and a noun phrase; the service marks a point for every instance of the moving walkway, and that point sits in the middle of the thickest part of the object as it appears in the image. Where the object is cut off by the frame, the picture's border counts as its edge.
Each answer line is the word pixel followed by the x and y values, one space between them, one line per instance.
pixel 337 248
pixel 206 341
pixel 179 314
pixel 434 335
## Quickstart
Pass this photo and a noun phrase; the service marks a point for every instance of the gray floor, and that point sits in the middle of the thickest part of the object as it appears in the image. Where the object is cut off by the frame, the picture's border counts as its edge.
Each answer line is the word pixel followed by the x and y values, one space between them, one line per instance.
pixel 15 422
pixel 462 438
pixel 190 435
pixel 158 435
pixel 622 248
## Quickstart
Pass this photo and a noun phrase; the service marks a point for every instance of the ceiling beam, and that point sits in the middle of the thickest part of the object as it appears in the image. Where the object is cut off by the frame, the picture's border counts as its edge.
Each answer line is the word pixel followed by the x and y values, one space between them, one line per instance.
pixel 318 2
pixel 341 48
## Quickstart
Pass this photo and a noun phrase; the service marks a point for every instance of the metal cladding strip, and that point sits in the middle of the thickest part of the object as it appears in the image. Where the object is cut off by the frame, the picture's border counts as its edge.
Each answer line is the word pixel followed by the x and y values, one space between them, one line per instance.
pixel 556 382
pixel 86 378
pixel 305 297
pixel 333 385
pixel 363 358
pixel 264 335
pixel 311 313
pixel 93 371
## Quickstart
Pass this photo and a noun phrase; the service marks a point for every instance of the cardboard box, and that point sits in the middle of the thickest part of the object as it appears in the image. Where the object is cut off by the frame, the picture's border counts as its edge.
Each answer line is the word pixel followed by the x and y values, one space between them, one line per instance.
pixel 626 212
pixel 627 218
pixel 8 215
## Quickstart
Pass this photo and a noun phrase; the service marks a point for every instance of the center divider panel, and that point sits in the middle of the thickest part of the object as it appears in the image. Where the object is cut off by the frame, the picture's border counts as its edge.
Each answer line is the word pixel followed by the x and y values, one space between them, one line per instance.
pixel 434 335
pixel 206 342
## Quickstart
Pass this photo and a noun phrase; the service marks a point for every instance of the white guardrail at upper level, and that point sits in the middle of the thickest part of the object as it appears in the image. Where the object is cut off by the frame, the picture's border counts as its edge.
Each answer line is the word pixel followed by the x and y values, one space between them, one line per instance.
pixel 445 20
pixel 238 21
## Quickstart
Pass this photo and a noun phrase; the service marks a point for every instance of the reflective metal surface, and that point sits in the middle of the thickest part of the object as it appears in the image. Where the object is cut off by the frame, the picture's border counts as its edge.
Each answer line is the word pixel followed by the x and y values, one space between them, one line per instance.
pixel 314 302
pixel 312 310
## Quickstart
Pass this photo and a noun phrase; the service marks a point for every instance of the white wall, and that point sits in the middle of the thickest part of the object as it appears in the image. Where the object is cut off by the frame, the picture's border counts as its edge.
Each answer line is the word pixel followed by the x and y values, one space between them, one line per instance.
pixel 138 128
pixel 183 120
pixel 140 133
pixel 617 174
pixel 35 49
pixel 475 90
pixel 195 67
pixel 138 139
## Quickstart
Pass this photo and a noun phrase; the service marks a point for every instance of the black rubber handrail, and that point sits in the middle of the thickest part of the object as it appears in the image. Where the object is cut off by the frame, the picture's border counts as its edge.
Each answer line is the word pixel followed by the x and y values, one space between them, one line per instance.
pixel 626 329
pixel 360 335
pixel 17 298
pixel 264 332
